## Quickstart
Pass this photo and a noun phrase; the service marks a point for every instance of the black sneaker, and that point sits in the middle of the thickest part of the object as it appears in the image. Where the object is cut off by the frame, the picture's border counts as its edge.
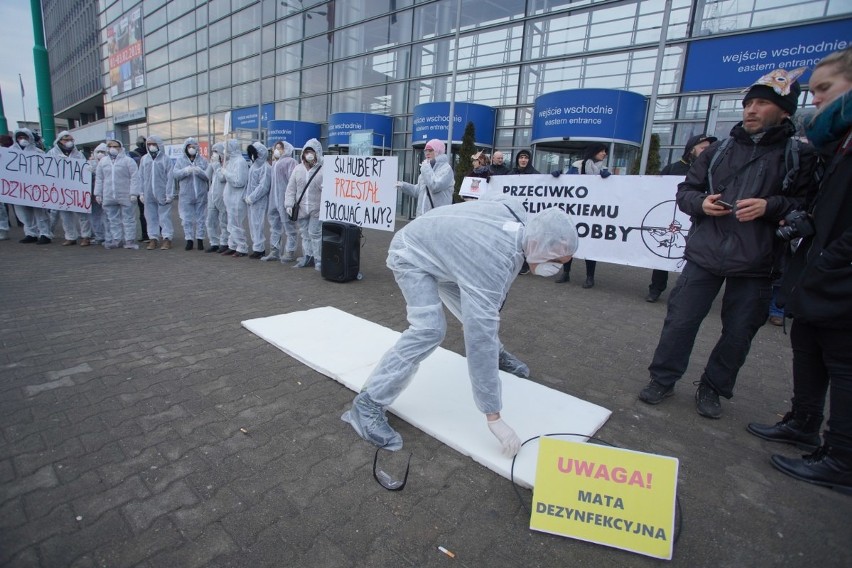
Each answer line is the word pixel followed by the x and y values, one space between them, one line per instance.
pixel 29 239
pixel 42 240
pixel 654 393
pixel 228 252
pixel 707 401
pixel 212 248
pixel 652 296
pixel 238 254
pixel 257 254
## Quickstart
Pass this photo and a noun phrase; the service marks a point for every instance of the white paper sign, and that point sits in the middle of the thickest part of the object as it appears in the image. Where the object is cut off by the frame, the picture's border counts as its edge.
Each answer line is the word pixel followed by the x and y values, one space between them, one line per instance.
pixel 46 182
pixel 629 220
pixel 360 190
pixel 473 187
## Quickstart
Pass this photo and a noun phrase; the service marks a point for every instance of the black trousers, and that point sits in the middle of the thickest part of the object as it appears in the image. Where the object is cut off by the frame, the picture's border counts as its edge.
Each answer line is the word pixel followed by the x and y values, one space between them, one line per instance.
pixel 590 267
pixel 744 307
pixel 659 281
pixel 822 359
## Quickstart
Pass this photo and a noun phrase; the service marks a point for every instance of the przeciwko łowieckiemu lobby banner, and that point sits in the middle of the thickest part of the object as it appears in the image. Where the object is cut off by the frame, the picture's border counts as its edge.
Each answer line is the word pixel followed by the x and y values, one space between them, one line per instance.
pixel 630 220
pixel 46 182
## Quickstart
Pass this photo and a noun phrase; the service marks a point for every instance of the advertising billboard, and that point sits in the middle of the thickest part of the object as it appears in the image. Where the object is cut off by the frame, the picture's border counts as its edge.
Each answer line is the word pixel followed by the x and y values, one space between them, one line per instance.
pixel 126 56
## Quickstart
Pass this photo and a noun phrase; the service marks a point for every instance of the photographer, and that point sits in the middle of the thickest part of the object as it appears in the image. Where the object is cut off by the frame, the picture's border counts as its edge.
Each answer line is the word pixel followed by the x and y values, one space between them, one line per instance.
pixel 817 294
pixel 736 192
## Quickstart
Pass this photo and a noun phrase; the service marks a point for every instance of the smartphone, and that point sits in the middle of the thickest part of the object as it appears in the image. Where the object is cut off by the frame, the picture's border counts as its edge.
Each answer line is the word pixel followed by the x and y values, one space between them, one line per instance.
pixel 724 204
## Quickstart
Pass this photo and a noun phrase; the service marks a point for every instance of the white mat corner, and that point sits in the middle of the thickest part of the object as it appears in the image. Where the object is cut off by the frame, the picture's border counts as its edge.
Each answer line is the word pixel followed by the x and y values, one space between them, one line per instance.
pixel 439 399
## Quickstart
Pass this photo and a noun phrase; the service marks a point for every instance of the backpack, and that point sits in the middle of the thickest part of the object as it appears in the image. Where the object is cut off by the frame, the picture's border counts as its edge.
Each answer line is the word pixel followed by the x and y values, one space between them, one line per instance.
pixel 792 150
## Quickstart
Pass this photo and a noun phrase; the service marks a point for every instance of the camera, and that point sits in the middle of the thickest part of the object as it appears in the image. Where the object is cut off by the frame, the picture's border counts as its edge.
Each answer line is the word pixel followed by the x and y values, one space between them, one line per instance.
pixel 796 224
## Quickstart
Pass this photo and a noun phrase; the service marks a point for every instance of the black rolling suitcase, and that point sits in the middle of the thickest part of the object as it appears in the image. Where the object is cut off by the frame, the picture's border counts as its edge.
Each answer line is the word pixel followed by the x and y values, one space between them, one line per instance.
pixel 341 251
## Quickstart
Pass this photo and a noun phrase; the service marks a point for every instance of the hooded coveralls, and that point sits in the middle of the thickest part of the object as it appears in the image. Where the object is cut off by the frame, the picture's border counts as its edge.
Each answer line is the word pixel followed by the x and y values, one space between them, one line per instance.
pixel 217 214
pixel 74 223
pixel 310 227
pixel 235 172
pixel 35 219
pixel 191 175
pixel 158 191
pixel 257 196
pixel 116 179
pixel 278 218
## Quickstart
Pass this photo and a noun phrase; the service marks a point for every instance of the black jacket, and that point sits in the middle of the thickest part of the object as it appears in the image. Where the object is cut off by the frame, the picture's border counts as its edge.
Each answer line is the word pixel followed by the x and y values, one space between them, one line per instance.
pixel 723 245
pixel 817 288
pixel 501 170
pixel 679 168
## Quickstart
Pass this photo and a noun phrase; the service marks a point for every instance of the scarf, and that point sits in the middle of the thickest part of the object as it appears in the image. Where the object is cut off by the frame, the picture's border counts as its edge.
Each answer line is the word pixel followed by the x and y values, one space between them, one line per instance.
pixel 832 123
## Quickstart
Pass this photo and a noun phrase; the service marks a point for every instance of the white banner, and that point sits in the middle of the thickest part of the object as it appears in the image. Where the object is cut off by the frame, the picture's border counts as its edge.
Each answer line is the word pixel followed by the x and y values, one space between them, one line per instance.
pixel 360 190
pixel 629 220
pixel 46 182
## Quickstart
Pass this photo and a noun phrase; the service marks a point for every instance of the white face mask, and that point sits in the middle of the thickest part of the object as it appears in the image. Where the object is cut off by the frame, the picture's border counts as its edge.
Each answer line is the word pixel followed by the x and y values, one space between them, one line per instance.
pixel 68 145
pixel 23 142
pixel 214 156
pixel 113 151
pixel 310 157
pixel 547 269
pixel 99 155
pixel 191 151
pixel 153 149
pixel 276 153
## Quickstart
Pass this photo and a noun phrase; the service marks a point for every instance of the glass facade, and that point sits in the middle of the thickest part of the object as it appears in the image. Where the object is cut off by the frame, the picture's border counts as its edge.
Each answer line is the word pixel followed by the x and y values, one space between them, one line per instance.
pixel 313 58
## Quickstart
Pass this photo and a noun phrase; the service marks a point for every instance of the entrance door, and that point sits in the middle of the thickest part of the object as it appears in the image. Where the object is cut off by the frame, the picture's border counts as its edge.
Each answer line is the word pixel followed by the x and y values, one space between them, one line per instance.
pixel 725 112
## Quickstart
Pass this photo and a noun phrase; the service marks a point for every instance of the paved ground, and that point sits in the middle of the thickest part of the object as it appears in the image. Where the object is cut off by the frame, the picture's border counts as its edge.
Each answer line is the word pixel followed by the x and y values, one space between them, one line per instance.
pixel 126 381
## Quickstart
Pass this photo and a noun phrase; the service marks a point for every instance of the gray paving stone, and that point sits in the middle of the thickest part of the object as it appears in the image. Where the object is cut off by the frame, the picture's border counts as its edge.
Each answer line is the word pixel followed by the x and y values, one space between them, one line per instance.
pixel 140 514
pixel 192 521
pixel 93 506
pixel 43 500
pixel 77 546
pixel 212 543
pixel 42 478
pixel 113 474
pixel 14 540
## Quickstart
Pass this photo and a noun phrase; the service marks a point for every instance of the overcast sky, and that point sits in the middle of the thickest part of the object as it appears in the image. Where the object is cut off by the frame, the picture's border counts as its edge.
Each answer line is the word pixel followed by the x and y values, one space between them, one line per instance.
pixel 16 47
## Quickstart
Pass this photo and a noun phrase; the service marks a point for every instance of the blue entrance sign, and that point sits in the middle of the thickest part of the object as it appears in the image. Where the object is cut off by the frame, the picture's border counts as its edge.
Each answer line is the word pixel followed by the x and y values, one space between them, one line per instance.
pixel 735 62
pixel 342 124
pixel 589 114
pixel 247 117
pixel 296 132
pixel 432 120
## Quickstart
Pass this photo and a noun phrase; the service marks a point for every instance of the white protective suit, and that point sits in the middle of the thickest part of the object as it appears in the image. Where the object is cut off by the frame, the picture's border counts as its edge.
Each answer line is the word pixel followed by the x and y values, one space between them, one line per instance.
pixel 35 219
pixel 310 227
pixel 117 184
pixel 282 170
pixel 257 195
pixel 100 227
pixel 158 191
pixel 217 214
pixel 235 172
pixel 436 181
pixel 467 257
pixel 191 174
pixel 75 224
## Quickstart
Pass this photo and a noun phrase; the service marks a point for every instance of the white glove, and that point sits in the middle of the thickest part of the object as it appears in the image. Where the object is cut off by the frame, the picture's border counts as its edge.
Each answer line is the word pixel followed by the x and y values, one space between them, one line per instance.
pixel 132 199
pixel 168 200
pixel 289 211
pixel 508 439
pixel 142 198
pixel 99 199
pixel 398 184
pixel 247 199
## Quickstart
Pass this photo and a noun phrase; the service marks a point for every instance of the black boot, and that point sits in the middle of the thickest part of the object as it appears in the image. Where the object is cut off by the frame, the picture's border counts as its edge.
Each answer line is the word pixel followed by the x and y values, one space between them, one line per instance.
pixel 796 427
pixel 200 243
pixel 828 466
pixel 566 274
pixel 188 245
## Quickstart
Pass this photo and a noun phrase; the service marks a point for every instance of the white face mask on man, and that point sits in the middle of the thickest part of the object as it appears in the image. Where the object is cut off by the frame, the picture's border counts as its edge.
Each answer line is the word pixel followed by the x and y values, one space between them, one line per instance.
pixel 546 269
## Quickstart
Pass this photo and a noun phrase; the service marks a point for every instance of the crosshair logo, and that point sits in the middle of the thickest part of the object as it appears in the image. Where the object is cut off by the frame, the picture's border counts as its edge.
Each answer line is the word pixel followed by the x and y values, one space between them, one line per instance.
pixel 665 229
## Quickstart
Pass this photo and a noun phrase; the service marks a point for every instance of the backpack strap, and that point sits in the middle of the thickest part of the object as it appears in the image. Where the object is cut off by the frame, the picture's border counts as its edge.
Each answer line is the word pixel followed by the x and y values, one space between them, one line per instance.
pixel 791 163
pixel 714 161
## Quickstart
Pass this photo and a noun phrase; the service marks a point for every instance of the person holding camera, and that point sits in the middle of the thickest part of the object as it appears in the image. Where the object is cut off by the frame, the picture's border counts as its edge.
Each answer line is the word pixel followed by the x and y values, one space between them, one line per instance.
pixel 737 191
pixel 817 293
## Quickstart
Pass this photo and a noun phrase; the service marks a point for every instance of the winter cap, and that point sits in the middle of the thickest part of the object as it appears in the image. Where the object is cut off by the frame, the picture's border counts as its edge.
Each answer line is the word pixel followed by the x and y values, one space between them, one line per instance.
pixel 695 141
pixel 436 145
pixel 779 87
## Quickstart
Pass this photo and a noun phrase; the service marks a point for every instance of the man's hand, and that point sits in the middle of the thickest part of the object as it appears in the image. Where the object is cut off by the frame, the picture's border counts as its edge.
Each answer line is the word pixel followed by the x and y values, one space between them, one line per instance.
pixel 507 437
pixel 750 209
pixel 712 209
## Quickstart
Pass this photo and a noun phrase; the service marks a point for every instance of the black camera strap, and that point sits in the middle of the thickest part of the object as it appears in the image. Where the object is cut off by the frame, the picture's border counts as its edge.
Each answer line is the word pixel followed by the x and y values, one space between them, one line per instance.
pixel 307 185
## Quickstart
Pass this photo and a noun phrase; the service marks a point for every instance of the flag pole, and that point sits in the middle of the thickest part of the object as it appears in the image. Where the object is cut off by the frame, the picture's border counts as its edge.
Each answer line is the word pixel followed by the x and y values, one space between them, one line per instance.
pixel 23 104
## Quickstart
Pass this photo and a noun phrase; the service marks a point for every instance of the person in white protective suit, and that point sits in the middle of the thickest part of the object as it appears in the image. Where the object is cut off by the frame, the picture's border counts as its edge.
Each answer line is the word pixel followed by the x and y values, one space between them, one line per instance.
pixel 282 169
pixel 217 214
pixel 434 187
pixel 116 190
pixel 305 188
pixel 158 192
pixel 77 225
pixel 190 171
pixel 35 219
pixel 235 171
pixel 467 257
pixel 100 225
pixel 257 196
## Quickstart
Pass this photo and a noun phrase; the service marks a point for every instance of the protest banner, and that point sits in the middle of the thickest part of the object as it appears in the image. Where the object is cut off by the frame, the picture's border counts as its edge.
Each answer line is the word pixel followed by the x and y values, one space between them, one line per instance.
pixel 360 190
pixel 606 495
pixel 473 187
pixel 46 182
pixel 629 220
